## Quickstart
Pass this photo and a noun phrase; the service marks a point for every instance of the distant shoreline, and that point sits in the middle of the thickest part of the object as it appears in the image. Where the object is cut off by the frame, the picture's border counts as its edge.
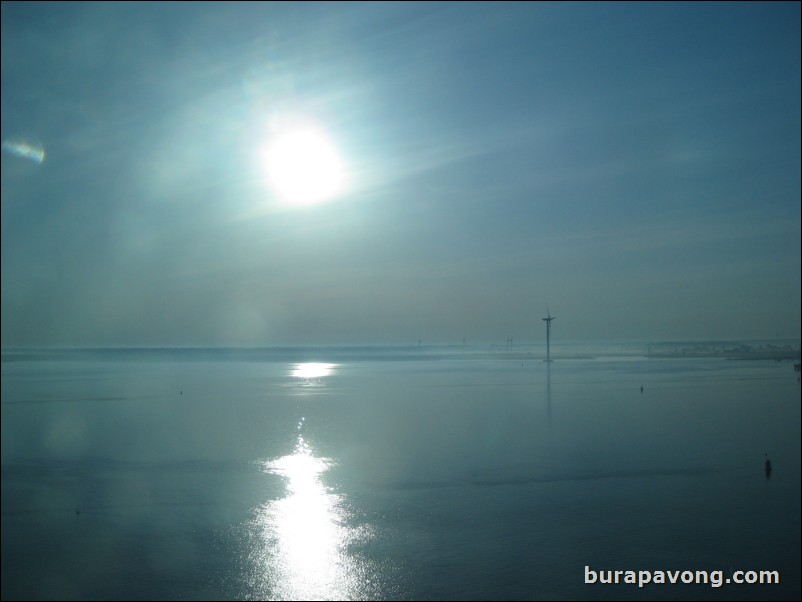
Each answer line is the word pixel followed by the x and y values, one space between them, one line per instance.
pixel 736 351
pixel 777 350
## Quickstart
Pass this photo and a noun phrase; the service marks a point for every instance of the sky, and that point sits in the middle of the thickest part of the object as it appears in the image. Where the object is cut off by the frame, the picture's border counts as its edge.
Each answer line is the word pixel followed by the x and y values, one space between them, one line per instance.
pixel 634 166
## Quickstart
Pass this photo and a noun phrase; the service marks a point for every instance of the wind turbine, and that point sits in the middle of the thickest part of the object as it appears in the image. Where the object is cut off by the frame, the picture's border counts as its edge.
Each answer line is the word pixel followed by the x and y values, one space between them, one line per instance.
pixel 548 332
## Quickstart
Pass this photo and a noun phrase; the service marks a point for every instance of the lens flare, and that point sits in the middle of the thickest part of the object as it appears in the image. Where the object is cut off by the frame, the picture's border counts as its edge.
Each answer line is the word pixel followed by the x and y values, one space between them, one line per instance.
pixel 25 149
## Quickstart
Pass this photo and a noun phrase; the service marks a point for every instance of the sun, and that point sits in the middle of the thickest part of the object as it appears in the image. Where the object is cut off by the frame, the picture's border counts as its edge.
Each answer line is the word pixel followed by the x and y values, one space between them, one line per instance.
pixel 303 166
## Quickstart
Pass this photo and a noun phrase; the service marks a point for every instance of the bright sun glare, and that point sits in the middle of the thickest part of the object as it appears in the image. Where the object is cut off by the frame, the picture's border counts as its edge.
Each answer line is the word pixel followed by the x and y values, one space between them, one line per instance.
pixel 303 166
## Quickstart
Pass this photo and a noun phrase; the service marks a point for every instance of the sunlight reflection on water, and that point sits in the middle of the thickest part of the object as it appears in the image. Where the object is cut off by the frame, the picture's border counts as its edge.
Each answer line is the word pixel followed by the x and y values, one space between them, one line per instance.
pixel 302 539
pixel 312 370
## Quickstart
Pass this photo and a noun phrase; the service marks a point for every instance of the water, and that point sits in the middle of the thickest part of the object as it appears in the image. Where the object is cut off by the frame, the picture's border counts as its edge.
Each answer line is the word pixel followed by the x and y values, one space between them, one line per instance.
pixel 392 474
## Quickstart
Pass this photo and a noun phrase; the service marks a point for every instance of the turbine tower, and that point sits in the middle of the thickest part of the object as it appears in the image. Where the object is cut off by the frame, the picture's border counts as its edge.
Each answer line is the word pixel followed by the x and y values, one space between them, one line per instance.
pixel 548 332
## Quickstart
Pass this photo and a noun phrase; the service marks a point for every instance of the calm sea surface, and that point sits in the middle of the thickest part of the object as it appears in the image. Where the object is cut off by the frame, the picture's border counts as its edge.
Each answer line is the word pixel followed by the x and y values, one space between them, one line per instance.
pixel 339 473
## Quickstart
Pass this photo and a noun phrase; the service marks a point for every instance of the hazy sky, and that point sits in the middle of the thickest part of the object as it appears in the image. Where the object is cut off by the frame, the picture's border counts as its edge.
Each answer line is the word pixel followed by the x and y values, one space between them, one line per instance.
pixel 636 166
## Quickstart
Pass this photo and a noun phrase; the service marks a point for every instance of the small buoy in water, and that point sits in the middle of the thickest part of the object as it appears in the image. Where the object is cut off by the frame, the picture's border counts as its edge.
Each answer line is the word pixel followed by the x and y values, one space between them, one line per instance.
pixel 768 467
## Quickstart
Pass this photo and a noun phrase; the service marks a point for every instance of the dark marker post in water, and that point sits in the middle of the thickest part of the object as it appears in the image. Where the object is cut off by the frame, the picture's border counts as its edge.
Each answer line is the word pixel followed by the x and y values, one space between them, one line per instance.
pixel 768 467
